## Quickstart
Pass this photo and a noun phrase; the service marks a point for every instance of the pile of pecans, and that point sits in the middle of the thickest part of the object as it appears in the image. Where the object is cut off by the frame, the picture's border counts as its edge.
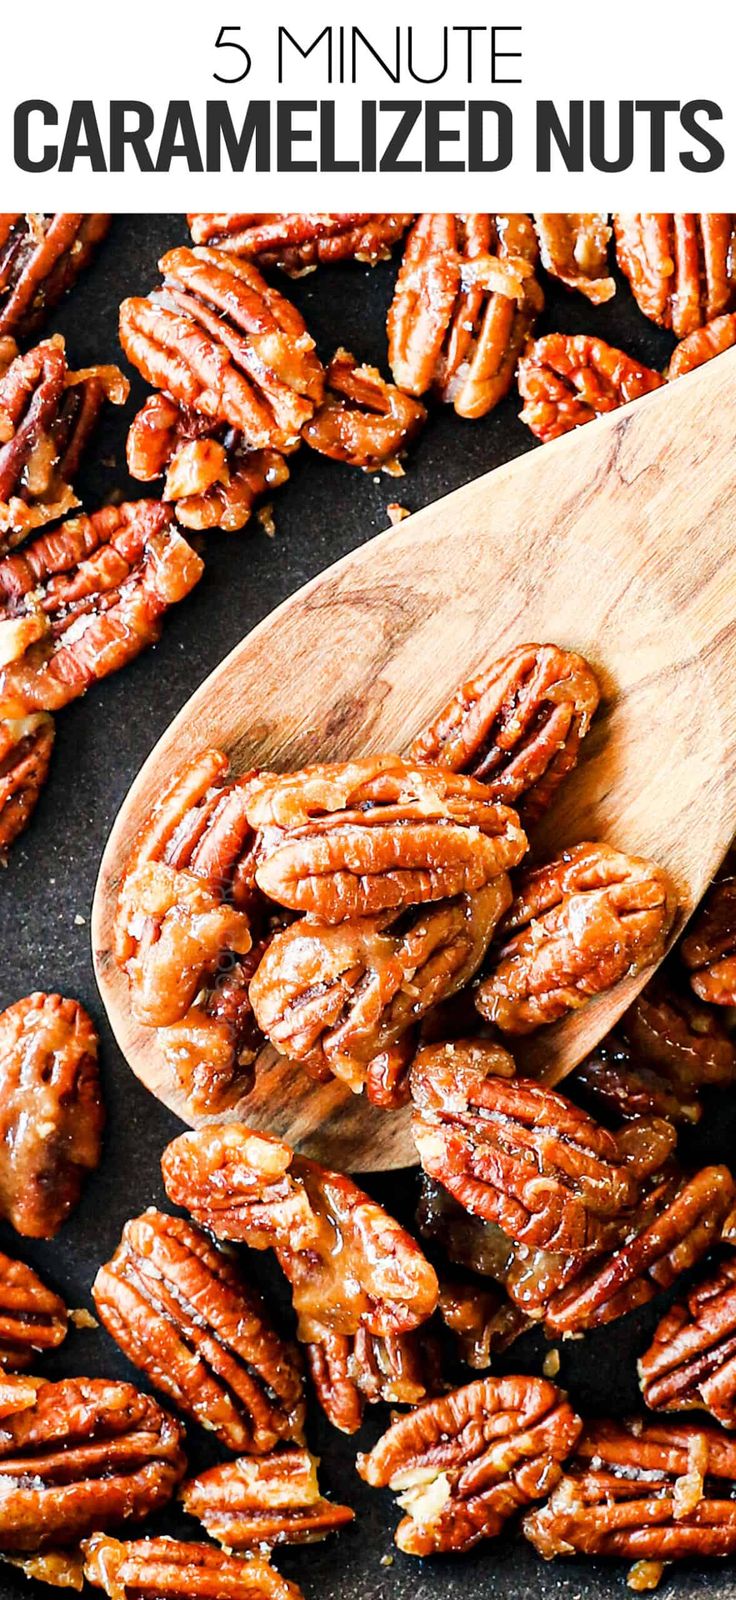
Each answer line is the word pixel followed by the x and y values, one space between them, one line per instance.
pixel 376 923
pixel 238 386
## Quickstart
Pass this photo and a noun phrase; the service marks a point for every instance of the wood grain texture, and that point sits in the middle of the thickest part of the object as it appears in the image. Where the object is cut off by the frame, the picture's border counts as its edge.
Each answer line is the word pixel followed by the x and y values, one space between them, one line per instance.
pixel 617 541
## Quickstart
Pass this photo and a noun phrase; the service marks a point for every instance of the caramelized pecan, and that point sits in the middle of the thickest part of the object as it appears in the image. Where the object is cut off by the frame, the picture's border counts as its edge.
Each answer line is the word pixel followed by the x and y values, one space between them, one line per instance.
pixel 577 926
pixel 517 726
pixel 298 242
pixel 79 1455
pixel 26 744
pixel 351 1370
pixel 50 1111
pixel 47 414
pixel 466 301
pixel 566 379
pixel 464 1463
pixel 709 948
pixel 349 1264
pixel 702 345
pixel 574 248
pixel 516 1153
pixel 271 1500
pixel 32 1318
pixel 223 342
pixel 41 256
pixel 183 931
pixel 377 834
pixel 212 479
pixel 363 420
pixel 651 1257
pixel 691 1361
pixel 183 1314
pixel 666 1049
pixel 84 600
pixel 180 1571
pixel 345 999
pixel 681 268
pixel 656 1491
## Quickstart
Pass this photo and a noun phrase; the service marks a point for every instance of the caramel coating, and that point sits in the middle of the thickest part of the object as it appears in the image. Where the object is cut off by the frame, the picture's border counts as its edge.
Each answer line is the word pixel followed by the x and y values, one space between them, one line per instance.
pixel 251 1188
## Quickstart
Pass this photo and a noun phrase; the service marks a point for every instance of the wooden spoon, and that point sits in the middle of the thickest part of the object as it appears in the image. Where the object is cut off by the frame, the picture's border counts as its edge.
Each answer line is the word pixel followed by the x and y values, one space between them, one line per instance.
pixel 617 541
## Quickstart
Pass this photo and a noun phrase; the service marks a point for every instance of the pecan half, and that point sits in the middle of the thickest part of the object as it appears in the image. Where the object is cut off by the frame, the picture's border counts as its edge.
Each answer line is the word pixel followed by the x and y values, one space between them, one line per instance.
pixel 466 301
pixel 681 268
pixel 350 1371
pixel 183 931
pixel 345 999
pixel 183 1314
pixel 709 948
pixel 691 1361
pixel 83 1454
pixel 32 1318
pixel 464 1463
pixel 212 479
pixel 220 340
pixel 566 379
pixel 26 744
pixel 656 1491
pixel 248 1504
pixel 41 257
pixel 651 1257
pixel 702 345
pixel 516 727
pixel 363 420
pixel 349 1263
pixel 84 600
pixel 574 248
pixel 482 1319
pixel 666 1049
pixel 298 242
pixel 51 1113
pixel 180 1571
pixel 516 1153
pixel 378 834
pixel 577 926
pixel 47 414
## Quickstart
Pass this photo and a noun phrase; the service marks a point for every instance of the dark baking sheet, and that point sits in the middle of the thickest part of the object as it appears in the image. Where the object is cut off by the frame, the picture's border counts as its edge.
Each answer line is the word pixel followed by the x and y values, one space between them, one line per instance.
pixel 46 891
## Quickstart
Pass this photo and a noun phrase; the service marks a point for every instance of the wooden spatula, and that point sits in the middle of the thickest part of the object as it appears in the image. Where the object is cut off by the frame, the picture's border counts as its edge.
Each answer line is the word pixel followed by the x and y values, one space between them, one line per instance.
pixel 618 541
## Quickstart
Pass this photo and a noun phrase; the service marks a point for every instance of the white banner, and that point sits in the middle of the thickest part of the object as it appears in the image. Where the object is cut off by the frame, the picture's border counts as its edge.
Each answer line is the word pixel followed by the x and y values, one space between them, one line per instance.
pixel 146 107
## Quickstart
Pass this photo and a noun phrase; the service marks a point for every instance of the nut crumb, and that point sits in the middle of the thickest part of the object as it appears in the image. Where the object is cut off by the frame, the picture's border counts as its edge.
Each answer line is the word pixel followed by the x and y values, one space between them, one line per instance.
pixel 551 1364
pixel 645 1575
pixel 387 1560
pixel 266 518
pixel 83 1318
pixel 396 513
pixel 79 921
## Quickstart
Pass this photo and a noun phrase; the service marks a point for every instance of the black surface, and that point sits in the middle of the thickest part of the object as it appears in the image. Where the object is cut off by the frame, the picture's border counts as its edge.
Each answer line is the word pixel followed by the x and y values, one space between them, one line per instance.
pixel 46 891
